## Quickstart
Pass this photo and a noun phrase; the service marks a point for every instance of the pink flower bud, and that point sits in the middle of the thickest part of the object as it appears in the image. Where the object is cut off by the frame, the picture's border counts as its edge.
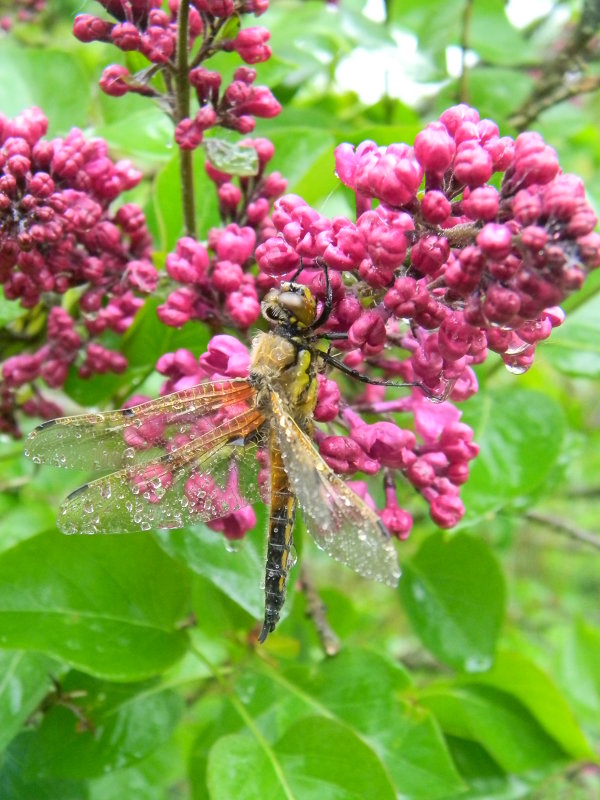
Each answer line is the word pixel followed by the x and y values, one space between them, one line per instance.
pixel 158 44
pixel 534 160
pixel 276 257
pixel 229 196
pixel 188 135
pixel 495 240
pixel 227 276
pixel 392 176
pixel 88 28
pixel 226 356
pixel 246 75
pixel 446 510
pixel 501 305
pixel 526 207
pixel 142 275
pixel 561 197
pixel 234 243
pixel 429 253
pixel 455 116
pixel 113 81
pixel 250 45
pixel 368 333
pixel 385 442
pixel 235 525
pixel 472 164
pixel 126 36
pixel 218 8
pixel 481 203
pixel 435 207
pixel 328 400
pixel 243 306
pixel 435 148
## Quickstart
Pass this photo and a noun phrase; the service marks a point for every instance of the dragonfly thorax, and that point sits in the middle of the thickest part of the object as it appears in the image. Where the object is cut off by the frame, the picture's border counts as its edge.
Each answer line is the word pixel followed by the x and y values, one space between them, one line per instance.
pixel 284 365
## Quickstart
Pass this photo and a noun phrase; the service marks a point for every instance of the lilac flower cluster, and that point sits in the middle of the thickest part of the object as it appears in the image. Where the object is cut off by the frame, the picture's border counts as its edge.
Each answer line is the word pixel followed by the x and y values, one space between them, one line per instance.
pixel 219 287
pixel 143 26
pixel 440 268
pixel 58 233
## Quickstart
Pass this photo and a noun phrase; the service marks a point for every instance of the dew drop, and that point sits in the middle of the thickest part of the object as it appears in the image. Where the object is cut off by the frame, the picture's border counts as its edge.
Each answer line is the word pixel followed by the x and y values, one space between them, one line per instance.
pixel 516 369
pixel 293 557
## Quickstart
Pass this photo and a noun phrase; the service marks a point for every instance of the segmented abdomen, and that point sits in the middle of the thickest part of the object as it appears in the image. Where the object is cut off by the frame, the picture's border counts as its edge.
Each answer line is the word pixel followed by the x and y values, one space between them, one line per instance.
pixel 281 526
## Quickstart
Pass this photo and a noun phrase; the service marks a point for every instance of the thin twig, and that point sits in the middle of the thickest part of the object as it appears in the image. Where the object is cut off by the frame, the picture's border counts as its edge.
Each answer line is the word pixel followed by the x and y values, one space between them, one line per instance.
pixel 316 610
pixel 465 35
pixel 182 84
pixel 564 526
pixel 563 76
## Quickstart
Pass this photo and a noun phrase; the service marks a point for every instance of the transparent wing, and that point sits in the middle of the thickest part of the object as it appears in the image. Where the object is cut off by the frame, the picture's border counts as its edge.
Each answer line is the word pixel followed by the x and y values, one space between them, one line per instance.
pixel 340 522
pixel 203 480
pixel 140 434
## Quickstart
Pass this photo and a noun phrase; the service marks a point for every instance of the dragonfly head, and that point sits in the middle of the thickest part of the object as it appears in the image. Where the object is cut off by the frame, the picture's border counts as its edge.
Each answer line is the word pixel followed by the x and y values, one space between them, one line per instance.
pixel 291 305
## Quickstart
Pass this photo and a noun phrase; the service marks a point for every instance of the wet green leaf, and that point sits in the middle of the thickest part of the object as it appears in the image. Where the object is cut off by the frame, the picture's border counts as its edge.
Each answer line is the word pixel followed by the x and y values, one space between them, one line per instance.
pixel 453 592
pixel 109 605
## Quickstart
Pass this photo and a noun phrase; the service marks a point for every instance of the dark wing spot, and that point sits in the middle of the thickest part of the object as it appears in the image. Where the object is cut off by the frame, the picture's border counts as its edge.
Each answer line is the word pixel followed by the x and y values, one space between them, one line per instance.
pixel 77 492
pixel 127 412
pixel 48 424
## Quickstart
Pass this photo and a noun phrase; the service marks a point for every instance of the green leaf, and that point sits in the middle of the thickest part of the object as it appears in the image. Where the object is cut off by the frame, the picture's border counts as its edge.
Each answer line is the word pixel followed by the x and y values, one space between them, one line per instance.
pixel 361 688
pixel 497 722
pixel 24 681
pixel 453 592
pixel 574 348
pixel 159 776
pixel 231 157
pixel 520 434
pixel 143 136
pixel 167 204
pixel 316 757
pixel 236 572
pixel 108 605
pixel 32 77
pixel 517 675
pixel 16 785
pixel 298 151
pixel 129 722
pixel 580 670
pixel 9 309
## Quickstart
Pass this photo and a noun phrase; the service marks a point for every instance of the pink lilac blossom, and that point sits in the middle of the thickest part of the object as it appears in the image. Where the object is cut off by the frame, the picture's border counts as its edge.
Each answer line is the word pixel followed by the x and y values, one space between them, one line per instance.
pixel 60 232
pixel 439 267
pixel 143 26
pixel 216 283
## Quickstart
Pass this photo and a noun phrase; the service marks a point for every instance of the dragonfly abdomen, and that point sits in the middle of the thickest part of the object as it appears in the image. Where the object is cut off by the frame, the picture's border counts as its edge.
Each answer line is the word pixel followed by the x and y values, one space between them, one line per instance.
pixel 281 527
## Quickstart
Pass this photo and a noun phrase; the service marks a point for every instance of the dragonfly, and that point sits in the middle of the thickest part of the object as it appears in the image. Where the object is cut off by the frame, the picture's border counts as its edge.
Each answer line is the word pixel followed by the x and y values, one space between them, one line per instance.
pixel 204 452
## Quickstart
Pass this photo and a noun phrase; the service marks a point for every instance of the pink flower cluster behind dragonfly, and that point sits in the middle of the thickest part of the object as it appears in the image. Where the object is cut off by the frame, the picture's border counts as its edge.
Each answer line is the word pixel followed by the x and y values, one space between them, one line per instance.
pixel 144 26
pixel 59 232
pixel 217 283
pixel 438 268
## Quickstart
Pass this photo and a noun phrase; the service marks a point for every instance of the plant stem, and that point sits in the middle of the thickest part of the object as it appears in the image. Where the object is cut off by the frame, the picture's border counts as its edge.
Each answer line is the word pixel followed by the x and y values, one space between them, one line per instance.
pixel 566 527
pixel 182 90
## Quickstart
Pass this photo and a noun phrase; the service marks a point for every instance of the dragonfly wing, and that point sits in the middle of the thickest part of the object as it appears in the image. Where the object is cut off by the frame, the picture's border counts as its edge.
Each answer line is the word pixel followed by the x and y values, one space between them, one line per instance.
pixel 136 435
pixel 340 522
pixel 203 480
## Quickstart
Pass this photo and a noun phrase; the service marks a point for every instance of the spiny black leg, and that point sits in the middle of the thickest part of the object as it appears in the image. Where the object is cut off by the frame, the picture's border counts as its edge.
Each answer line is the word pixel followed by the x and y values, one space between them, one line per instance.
pixel 326 310
pixel 333 362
